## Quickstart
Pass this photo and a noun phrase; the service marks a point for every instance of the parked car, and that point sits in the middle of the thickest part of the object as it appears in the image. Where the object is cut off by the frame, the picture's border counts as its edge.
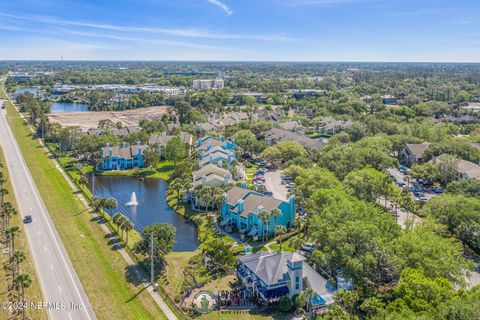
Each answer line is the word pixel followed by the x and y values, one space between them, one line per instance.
pixel 268 193
pixel 436 189
pixel 401 184
pixel 27 219
pixel 308 246
pixel 403 169
pixel 421 199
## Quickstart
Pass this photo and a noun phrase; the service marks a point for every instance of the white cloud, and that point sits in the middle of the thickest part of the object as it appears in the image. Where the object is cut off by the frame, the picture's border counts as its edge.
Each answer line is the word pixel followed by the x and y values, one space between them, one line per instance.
pixel 180 32
pixel 222 6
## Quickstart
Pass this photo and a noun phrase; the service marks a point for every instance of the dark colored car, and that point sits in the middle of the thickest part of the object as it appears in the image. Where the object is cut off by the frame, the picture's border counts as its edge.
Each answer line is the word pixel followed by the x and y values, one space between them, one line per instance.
pixel 27 219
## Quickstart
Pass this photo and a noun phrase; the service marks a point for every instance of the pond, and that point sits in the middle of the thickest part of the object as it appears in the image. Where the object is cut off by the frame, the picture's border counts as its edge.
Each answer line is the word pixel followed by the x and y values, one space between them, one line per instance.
pixel 152 206
pixel 64 107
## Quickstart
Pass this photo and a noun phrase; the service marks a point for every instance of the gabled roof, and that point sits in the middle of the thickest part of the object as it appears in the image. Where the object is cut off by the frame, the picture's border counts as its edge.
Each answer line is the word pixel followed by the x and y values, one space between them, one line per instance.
pixel 251 201
pixel 468 168
pixel 162 139
pixel 417 149
pixel 270 267
pixel 284 135
pixel 127 152
pixel 210 169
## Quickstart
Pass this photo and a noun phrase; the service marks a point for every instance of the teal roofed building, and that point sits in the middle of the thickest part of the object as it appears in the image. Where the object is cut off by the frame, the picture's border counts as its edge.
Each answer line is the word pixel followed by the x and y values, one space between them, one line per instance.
pixel 242 208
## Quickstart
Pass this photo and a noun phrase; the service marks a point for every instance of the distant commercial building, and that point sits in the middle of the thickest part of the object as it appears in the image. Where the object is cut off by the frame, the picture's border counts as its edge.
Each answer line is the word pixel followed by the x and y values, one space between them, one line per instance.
pixel 388 99
pixel 207 84
pixel 20 77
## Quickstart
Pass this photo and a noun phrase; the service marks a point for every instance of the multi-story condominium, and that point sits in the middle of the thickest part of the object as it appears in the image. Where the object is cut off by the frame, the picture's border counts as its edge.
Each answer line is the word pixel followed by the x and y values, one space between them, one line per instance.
pixel 159 141
pixel 123 157
pixel 243 210
pixel 207 84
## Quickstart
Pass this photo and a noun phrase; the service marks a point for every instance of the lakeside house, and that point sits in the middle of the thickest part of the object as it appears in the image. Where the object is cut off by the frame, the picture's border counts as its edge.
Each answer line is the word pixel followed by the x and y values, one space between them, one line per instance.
pixel 209 175
pixel 412 153
pixel 276 135
pixel 241 209
pixel 159 141
pixel 271 275
pixel 123 157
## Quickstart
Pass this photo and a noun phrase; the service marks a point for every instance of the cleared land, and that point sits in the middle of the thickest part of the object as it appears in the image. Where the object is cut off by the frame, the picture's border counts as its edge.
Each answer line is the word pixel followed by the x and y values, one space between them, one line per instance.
pixel 101 270
pixel 90 119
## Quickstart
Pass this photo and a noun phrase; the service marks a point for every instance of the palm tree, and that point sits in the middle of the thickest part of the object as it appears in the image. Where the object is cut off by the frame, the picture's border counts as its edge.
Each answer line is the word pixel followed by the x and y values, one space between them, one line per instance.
pixel 11 232
pixel 17 258
pixel 205 194
pixel 83 180
pixel 280 231
pixel 23 281
pixel 3 192
pixel 127 225
pixel 310 295
pixel 263 216
pixel 7 210
pixel 276 213
pixel 110 204
pixel 177 186
pixel 117 219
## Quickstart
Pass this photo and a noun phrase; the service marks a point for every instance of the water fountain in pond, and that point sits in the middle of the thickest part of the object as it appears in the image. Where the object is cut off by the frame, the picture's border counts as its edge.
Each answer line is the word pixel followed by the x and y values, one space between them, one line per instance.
pixel 133 201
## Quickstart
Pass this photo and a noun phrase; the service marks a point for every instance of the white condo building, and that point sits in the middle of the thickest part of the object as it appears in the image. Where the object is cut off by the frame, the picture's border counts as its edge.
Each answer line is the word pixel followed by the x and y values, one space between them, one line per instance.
pixel 207 84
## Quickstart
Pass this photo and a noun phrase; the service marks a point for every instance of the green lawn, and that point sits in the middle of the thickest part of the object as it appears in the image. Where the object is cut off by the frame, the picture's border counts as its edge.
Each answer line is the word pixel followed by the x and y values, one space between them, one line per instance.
pixel 250 172
pixel 162 171
pixel 32 293
pixel 112 290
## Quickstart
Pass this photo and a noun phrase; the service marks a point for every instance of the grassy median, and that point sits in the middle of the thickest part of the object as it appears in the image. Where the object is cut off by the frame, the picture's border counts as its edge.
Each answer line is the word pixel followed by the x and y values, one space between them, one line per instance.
pixel 110 286
pixel 32 293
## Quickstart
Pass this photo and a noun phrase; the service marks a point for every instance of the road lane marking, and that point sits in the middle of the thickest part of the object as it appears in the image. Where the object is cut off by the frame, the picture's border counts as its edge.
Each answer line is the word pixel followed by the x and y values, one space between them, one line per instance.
pixel 42 208
pixel 59 288
pixel 51 266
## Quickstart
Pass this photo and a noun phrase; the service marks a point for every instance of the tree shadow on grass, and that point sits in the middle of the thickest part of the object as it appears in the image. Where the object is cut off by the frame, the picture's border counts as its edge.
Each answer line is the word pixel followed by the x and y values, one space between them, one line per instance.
pixel 82 211
pixel 136 294
pixel 134 275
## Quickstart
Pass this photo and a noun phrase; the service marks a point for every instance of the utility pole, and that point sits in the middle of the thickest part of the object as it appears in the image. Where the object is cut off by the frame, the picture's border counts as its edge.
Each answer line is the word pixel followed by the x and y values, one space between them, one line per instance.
pixel 152 276
pixel 93 185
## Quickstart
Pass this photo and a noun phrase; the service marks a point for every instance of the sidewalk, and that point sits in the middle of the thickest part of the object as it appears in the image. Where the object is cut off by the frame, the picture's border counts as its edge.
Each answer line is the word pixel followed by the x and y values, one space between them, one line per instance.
pixel 146 284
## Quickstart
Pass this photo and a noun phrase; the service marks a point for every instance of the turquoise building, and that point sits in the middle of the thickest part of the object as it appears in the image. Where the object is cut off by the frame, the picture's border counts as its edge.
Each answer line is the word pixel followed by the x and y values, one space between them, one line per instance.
pixel 123 157
pixel 209 142
pixel 241 209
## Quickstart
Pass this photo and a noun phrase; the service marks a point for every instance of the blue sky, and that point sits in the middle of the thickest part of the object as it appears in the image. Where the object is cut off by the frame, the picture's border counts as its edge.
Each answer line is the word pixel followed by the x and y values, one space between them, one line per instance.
pixel 299 30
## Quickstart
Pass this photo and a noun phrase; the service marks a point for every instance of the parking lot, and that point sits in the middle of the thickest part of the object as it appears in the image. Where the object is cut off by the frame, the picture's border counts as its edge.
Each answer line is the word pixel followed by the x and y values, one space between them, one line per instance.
pixel 420 192
pixel 273 183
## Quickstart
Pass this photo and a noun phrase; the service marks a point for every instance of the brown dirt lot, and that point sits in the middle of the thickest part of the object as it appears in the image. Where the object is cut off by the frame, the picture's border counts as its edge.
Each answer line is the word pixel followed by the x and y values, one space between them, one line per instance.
pixel 90 119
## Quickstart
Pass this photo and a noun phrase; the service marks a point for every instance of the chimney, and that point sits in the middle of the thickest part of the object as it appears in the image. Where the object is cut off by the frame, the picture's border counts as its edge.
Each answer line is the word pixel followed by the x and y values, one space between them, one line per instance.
pixel 209 145
pixel 204 180
pixel 124 144
pixel 226 178
pixel 194 178
pixel 240 205
pixel 293 210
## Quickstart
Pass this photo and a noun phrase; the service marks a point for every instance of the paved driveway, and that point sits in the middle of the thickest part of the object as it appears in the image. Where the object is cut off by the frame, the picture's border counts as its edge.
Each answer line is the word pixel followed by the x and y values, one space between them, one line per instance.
pixel 273 183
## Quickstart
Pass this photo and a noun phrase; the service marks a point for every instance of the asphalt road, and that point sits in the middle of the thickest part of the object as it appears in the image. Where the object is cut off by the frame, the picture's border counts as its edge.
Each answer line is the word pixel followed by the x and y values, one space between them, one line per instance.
pixel 273 183
pixel 60 285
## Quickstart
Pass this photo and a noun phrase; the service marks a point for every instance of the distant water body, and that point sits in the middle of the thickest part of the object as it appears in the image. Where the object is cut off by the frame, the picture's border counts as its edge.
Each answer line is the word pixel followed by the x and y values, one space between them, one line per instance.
pixel 64 107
